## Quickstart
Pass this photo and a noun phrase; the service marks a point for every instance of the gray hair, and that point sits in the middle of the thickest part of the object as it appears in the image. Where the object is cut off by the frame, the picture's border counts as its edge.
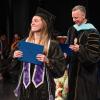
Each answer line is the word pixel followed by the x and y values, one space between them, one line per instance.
pixel 81 8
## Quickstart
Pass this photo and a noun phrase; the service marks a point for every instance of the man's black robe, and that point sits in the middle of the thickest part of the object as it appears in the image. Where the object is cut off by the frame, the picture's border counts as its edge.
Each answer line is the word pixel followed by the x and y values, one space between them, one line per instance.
pixel 83 65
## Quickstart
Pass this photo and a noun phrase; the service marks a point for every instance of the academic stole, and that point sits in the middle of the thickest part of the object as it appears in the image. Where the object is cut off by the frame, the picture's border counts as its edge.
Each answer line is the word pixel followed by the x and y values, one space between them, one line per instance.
pixel 38 75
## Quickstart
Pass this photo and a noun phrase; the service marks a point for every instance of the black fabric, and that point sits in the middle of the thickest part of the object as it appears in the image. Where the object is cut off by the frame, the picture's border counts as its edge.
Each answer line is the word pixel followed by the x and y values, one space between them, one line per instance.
pixel 55 68
pixel 90 48
pixel 48 17
pixel 83 65
pixel 31 93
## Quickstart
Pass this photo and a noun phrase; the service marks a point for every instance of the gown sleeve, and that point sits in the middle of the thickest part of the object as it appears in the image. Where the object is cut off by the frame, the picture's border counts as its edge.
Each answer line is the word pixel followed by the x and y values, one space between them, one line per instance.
pixel 56 65
pixel 90 51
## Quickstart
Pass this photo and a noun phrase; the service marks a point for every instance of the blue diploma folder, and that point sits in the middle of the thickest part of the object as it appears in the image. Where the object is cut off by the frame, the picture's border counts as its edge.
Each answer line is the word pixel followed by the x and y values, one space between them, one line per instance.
pixel 65 48
pixel 30 50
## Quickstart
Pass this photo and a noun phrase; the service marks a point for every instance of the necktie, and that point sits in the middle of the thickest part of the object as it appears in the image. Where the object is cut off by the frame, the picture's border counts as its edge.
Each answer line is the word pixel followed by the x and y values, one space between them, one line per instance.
pixel 38 75
pixel 26 74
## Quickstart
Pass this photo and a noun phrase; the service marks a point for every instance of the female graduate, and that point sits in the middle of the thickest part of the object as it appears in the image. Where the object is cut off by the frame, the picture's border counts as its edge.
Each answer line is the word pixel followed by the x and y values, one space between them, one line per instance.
pixel 41 87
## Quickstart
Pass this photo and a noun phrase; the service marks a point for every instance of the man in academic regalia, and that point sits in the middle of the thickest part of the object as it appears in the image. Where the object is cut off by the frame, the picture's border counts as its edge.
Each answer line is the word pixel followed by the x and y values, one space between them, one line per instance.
pixel 84 40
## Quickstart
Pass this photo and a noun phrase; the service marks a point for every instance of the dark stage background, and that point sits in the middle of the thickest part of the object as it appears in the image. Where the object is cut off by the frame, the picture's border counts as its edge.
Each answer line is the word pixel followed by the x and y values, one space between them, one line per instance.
pixel 15 15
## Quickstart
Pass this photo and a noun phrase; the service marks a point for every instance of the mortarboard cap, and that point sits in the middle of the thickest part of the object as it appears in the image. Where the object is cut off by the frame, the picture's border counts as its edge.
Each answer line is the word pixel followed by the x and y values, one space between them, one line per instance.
pixel 47 16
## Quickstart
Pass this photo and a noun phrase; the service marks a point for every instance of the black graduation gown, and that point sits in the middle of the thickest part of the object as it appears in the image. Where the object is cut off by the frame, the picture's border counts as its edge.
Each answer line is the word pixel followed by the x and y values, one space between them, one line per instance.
pixel 83 65
pixel 55 69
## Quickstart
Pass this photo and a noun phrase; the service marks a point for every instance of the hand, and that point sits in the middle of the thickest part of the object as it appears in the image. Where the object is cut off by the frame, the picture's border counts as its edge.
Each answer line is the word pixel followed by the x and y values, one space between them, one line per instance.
pixel 75 47
pixel 65 55
pixel 18 54
pixel 42 58
pixel 71 47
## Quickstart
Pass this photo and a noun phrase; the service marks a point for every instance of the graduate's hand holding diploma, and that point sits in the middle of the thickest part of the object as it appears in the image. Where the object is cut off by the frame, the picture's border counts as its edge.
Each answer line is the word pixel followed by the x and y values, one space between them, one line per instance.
pixel 18 54
pixel 42 58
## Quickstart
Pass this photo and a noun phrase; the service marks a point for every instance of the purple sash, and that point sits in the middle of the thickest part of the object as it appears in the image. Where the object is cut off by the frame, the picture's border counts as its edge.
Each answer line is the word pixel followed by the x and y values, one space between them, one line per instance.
pixel 26 74
pixel 38 75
